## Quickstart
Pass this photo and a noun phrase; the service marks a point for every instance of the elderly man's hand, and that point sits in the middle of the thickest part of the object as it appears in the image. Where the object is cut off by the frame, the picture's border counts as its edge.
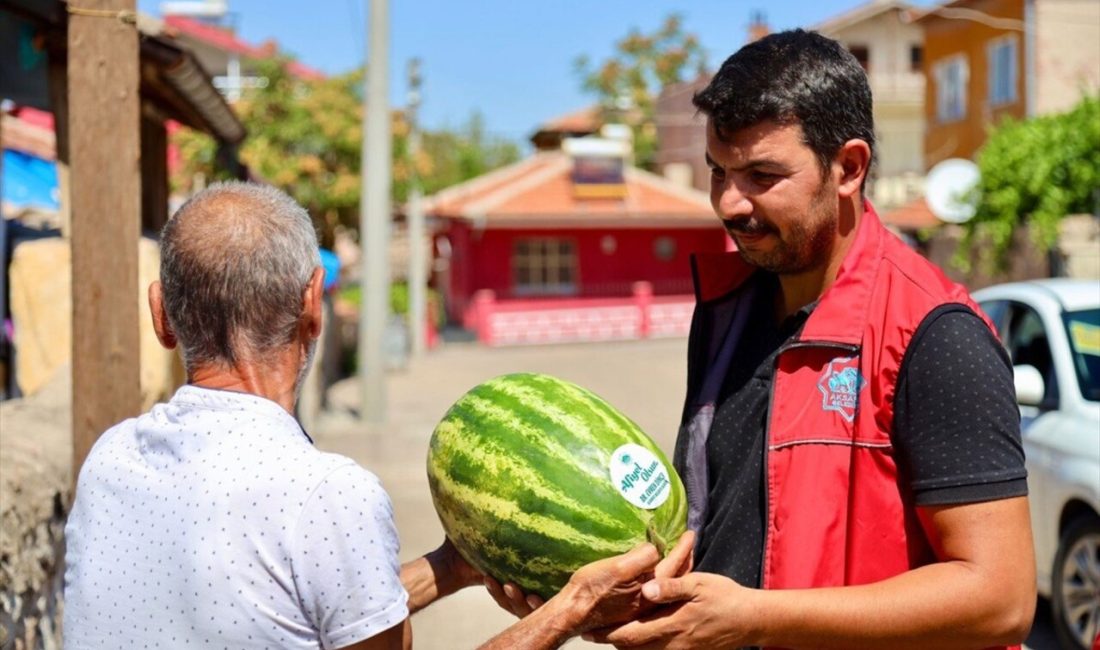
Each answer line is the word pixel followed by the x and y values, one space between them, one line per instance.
pixel 702 610
pixel 679 560
pixel 599 594
pixel 511 598
pixel 462 572
pixel 602 593
pixel 609 591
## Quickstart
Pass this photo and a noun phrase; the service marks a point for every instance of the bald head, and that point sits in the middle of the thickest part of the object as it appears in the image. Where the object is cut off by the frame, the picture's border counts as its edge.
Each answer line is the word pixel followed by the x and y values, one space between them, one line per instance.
pixel 235 260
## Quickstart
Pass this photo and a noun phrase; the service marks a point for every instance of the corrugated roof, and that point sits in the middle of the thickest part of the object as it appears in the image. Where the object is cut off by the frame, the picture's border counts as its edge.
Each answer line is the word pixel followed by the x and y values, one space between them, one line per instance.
pixel 171 78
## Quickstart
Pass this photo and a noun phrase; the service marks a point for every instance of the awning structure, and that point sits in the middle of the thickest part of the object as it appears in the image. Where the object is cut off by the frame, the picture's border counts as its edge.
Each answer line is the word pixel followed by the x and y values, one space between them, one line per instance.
pixel 173 81
pixel 173 85
pixel 116 82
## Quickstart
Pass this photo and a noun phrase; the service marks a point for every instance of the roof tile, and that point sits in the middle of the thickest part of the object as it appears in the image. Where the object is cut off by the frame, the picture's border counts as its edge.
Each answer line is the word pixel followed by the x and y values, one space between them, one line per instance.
pixel 540 188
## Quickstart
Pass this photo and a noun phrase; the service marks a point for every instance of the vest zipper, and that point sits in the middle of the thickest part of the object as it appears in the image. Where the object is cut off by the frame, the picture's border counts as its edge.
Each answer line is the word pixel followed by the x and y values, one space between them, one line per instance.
pixel 847 347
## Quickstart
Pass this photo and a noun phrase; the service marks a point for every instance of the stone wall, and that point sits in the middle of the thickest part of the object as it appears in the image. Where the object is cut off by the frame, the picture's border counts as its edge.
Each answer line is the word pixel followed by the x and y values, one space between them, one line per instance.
pixel 1076 254
pixel 36 435
pixel 1025 262
pixel 35 490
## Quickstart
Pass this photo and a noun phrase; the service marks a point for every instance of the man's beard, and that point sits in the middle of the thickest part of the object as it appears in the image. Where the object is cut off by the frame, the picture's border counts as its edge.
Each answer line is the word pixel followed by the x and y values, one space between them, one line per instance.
pixel 807 242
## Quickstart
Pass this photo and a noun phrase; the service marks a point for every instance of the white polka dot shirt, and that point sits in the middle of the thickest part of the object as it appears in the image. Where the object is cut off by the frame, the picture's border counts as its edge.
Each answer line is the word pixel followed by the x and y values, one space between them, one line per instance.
pixel 213 522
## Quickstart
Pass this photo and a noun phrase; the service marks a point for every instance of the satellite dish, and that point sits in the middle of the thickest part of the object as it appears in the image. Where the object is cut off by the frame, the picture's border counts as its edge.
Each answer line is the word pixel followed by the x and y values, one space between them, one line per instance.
pixel 949 190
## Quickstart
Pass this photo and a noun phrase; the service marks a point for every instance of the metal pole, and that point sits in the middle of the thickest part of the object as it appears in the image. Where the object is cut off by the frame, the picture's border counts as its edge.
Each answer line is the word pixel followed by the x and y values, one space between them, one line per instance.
pixel 374 219
pixel 418 276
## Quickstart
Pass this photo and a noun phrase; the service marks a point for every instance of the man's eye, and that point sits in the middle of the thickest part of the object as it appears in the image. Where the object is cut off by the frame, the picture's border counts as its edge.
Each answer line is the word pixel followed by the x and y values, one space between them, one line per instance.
pixel 717 172
pixel 765 178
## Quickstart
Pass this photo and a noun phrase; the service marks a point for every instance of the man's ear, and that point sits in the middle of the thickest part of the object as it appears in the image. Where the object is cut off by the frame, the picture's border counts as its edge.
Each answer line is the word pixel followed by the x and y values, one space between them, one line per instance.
pixel 311 303
pixel 853 163
pixel 161 325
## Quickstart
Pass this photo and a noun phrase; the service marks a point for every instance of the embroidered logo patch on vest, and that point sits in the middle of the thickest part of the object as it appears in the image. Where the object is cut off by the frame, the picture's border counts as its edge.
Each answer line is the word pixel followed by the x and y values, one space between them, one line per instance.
pixel 840 385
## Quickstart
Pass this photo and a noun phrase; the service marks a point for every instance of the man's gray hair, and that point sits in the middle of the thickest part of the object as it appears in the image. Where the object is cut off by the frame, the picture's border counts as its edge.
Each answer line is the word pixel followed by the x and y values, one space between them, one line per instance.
pixel 235 262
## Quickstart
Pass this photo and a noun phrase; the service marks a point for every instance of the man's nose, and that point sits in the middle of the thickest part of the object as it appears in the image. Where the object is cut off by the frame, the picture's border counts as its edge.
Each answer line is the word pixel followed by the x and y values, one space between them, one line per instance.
pixel 731 202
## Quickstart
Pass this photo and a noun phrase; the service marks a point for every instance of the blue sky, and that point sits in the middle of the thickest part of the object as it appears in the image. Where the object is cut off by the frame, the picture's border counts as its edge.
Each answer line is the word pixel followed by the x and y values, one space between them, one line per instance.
pixel 512 60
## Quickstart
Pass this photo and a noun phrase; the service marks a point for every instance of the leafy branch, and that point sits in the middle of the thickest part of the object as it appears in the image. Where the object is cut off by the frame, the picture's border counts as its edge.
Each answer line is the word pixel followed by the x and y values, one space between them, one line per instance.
pixel 1035 172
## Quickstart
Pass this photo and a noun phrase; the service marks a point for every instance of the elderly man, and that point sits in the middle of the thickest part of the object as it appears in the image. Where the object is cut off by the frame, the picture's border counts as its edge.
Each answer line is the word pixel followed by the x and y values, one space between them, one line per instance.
pixel 212 521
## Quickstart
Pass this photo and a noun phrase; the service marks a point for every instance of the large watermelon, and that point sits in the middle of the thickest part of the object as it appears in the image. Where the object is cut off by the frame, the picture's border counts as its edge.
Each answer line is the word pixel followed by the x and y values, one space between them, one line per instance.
pixel 534 477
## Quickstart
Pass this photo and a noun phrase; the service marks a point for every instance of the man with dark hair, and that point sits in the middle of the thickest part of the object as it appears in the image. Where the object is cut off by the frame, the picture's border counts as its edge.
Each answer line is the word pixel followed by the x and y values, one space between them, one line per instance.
pixel 213 521
pixel 850 440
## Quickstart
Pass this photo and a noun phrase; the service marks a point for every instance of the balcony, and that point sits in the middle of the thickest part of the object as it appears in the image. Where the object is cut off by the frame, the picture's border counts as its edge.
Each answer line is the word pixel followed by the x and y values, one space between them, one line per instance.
pixel 897 87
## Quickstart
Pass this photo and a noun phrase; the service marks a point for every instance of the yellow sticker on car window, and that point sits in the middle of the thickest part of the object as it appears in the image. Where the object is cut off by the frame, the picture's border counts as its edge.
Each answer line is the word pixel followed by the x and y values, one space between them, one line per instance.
pixel 1086 338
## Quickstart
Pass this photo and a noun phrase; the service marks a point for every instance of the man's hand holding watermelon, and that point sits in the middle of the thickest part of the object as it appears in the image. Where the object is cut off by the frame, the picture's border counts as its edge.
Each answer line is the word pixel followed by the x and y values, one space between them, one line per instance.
pixel 601 594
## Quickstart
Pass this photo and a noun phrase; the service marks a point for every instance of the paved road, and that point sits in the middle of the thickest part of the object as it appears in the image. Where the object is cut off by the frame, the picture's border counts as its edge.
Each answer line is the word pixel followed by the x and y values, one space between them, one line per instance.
pixel 643 379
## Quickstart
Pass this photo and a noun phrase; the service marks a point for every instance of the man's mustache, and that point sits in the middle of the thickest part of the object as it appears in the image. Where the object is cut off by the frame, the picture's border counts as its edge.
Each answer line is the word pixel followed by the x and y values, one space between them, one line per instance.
pixel 748 226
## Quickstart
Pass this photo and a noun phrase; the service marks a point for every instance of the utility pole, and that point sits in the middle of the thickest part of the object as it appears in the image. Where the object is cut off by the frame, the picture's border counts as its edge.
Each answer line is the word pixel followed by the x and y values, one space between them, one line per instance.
pixel 418 277
pixel 374 219
pixel 105 158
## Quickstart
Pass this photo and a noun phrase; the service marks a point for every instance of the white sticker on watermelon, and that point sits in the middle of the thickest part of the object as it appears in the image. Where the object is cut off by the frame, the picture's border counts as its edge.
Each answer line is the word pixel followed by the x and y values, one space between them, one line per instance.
pixel 641 478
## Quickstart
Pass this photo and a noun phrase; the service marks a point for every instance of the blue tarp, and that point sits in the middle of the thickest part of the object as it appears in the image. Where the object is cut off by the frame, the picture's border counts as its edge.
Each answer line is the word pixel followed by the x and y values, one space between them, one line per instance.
pixel 331 264
pixel 29 182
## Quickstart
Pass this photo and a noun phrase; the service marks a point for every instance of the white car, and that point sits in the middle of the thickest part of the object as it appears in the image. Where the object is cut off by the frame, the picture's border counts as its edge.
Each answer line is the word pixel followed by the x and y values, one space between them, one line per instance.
pixel 1051 329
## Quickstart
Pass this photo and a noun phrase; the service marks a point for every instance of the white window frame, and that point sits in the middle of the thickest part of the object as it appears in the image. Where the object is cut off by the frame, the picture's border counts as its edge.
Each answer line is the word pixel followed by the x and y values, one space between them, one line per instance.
pixel 1011 74
pixel 951 99
pixel 545 257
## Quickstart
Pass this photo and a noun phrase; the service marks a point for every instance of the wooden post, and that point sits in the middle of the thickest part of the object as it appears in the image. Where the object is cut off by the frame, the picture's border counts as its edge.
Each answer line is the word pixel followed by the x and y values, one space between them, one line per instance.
pixel 104 151
pixel 154 171
pixel 59 105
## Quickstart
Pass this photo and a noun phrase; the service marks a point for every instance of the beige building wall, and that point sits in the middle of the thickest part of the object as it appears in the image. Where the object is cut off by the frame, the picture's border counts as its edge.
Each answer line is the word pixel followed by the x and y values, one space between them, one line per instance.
pixel 898 90
pixel 41 308
pixel 1067 62
pixel 1079 245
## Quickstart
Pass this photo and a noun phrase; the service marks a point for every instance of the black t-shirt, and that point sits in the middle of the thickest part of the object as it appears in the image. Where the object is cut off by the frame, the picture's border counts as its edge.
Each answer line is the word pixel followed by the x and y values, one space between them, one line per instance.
pixel 956 427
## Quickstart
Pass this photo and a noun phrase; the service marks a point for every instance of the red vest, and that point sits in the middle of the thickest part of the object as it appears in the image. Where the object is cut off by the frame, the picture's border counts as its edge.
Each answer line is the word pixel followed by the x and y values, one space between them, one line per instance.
pixel 837 511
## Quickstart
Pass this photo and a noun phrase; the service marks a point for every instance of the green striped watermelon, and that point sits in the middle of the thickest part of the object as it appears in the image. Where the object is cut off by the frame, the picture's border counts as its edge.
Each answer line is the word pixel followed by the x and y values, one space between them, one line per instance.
pixel 531 477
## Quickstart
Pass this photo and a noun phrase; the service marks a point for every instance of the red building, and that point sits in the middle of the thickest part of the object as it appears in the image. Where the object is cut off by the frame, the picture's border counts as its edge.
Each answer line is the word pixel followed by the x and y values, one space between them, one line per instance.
pixel 577 241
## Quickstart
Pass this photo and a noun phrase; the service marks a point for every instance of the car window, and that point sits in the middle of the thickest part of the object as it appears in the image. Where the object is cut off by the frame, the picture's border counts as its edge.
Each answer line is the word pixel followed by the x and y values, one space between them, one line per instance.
pixel 996 310
pixel 1083 328
pixel 1027 343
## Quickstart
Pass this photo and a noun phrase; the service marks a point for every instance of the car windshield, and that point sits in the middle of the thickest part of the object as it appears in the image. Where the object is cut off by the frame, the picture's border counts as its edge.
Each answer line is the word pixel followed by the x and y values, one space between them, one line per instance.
pixel 1084 338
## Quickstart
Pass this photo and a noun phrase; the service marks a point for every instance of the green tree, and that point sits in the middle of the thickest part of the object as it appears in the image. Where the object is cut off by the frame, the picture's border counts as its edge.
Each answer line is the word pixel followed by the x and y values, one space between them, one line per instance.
pixel 304 136
pixel 1034 172
pixel 452 156
pixel 627 83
